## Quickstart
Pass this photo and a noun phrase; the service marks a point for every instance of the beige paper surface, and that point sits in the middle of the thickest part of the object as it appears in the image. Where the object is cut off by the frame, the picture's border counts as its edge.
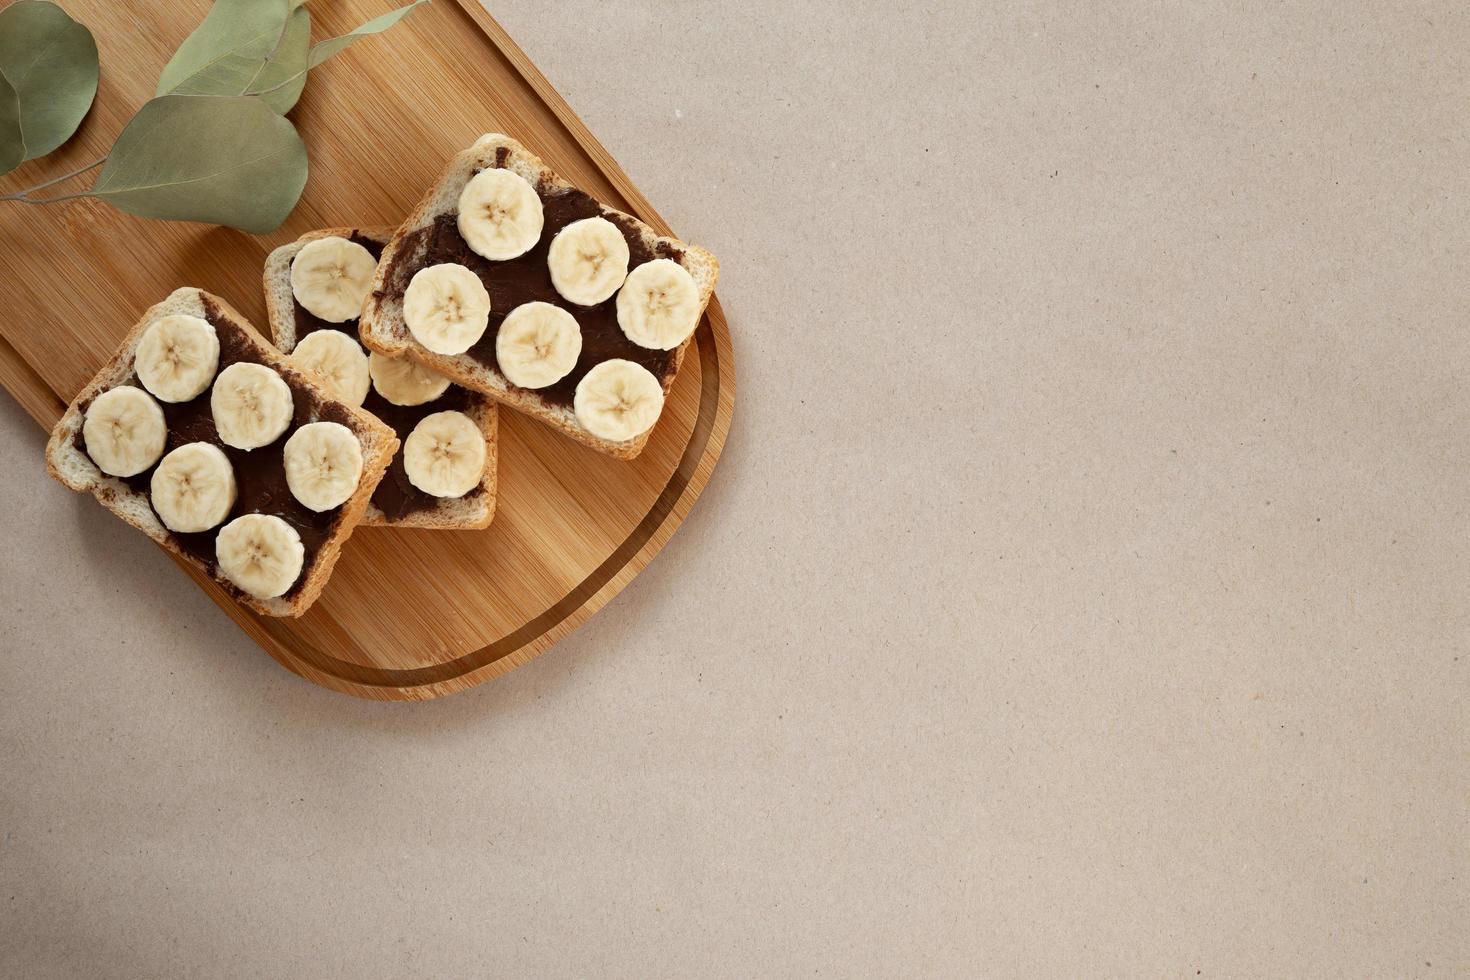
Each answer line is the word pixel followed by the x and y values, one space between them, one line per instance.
pixel 1083 591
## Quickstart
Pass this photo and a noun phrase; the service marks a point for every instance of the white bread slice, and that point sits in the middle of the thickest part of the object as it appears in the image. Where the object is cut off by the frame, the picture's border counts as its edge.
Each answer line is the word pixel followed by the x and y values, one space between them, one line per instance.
pixel 382 325
pixel 468 513
pixel 66 461
pixel 280 305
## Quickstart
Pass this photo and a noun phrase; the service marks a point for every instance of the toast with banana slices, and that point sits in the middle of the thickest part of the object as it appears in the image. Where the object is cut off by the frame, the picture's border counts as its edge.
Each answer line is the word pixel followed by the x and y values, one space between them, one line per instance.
pixel 203 436
pixel 514 283
pixel 314 290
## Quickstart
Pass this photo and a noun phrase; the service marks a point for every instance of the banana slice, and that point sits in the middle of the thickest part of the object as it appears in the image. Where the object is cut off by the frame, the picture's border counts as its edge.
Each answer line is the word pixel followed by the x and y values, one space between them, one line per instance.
pixel 331 277
pixel 193 488
pixel 446 308
pixel 323 464
pixel 538 344
pixel 177 357
pixel 658 306
pixel 404 381
pixel 252 406
pixel 124 431
pixel 444 455
pixel 618 400
pixel 261 554
pixel 499 214
pixel 338 361
pixel 588 261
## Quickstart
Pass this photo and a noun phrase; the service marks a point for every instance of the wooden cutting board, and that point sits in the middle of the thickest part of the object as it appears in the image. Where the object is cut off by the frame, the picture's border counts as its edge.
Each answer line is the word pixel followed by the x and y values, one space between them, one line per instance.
pixel 408 614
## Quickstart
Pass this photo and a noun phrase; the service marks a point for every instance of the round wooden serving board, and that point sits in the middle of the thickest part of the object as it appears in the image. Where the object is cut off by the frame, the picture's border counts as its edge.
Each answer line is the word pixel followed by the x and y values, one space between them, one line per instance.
pixel 407 615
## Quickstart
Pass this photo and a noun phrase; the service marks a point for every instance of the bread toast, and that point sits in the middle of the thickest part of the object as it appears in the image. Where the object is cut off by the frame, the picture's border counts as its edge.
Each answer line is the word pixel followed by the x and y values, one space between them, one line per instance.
pixel 382 325
pixel 68 462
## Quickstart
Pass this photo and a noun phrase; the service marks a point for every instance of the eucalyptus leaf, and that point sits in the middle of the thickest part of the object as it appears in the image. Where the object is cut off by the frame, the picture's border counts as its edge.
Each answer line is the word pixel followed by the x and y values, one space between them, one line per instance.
pixel 323 50
pixel 12 146
pixel 50 63
pixel 227 160
pixel 243 47
pixel 282 78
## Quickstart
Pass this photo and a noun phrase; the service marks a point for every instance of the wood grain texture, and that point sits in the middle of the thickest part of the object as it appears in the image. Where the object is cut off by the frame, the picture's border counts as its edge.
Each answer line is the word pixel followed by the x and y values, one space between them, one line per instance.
pixel 408 615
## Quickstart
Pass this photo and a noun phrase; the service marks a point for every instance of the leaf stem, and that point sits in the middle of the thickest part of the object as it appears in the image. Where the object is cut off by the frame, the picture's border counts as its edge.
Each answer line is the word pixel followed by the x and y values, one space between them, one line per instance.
pixel 24 195
pixel 45 200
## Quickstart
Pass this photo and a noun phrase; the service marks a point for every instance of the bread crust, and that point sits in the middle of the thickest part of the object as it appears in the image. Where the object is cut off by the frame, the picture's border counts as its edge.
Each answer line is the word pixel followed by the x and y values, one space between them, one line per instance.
pixel 383 330
pixel 74 469
pixel 450 514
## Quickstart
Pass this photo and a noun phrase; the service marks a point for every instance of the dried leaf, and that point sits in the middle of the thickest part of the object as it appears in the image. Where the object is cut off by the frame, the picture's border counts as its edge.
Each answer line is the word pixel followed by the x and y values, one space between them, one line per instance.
pixel 50 63
pixel 323 50
pixel 282 78
pixel 216 159
pixel 12 146
pixel 243 47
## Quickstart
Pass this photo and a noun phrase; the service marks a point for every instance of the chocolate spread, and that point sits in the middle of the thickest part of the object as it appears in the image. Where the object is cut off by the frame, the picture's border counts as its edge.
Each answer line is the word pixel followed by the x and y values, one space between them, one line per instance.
pixel 260 474
pixel 396 496
pixel 526 279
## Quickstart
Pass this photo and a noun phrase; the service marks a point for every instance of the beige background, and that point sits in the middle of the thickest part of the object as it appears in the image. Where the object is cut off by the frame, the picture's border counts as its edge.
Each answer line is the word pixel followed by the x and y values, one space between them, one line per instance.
pixel 1083 590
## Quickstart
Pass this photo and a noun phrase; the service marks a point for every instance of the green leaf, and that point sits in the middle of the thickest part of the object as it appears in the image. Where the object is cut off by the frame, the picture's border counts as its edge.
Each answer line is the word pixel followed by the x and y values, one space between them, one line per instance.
pixel 12 146
pixel 227 160
pixel 282 78
pixel 241 47
pixel 50 63
pixel 323 50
